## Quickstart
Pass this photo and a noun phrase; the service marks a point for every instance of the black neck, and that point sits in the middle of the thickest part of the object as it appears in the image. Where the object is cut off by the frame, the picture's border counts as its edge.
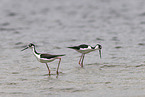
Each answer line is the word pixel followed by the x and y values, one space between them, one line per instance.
pixel 34 50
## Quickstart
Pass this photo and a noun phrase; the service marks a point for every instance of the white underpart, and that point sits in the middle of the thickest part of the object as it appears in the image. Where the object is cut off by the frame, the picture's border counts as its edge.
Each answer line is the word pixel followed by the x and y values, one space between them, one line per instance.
pixel 42 60
pixel 37 56
pixel 97 47
pixel 86 50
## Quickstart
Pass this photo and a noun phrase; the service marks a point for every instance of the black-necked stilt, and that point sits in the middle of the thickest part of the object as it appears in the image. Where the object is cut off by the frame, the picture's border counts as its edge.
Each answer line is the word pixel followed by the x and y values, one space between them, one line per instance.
pixel 84 49
pixel 44 58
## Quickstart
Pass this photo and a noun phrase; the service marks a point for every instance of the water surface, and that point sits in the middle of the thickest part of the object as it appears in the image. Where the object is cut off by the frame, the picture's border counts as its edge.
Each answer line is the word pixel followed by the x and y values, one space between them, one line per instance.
pixel 53 25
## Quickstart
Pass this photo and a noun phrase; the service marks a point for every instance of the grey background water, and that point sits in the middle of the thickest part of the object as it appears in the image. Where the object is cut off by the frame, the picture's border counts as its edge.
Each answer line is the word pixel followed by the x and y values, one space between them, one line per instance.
pixel 53 25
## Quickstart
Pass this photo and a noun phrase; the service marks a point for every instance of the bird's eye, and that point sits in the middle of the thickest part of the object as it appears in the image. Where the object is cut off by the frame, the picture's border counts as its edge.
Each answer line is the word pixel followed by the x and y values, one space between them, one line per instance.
pixel 30 45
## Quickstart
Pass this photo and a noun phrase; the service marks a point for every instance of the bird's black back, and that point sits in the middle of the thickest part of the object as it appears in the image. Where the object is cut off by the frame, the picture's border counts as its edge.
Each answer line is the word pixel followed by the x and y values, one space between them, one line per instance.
pixel 80 46
pixel 49 56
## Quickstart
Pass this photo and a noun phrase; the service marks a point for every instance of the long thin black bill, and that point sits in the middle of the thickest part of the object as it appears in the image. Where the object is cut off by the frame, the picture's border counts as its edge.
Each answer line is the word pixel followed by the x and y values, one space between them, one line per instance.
pixel 100 53
pixel 24 48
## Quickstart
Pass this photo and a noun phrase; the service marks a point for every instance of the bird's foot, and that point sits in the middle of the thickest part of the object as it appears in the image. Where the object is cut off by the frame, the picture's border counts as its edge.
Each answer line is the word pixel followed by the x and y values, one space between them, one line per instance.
pixel 81 64
pixel 57 72
pixel 49 73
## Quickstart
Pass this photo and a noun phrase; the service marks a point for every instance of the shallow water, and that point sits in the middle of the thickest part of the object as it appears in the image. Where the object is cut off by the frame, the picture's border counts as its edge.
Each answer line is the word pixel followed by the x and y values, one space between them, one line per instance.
pixel 53 25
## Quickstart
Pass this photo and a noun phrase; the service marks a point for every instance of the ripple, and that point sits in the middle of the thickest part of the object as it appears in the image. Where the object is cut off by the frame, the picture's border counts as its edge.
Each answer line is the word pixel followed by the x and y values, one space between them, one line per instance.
pixel 100 39
pixel 15 72
pixel 118 47
pixel 11 83
pixel 94 64
pixel 141 44
pixel 142 14
pixel 56 47
pixel 16 32
pixel 67 89
pixel 5 24
pixel 109 66
pixel 7 29
pixel 18 43
pixel 18 93
pixel 11 14
pixel 73 40
pixel 143 22
pixel 107 82
pixel 23 79
pixel 140 65
pixel 115 39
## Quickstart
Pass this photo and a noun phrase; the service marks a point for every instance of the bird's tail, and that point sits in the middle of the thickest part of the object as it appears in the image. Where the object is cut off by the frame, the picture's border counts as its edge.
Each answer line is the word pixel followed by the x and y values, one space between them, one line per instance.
pixel 75 47
pixel 62 55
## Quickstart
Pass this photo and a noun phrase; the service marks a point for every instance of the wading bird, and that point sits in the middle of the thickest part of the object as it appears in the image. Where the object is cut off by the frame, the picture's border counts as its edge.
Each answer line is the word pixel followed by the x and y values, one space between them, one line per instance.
pixel 84 49
pixel 44 58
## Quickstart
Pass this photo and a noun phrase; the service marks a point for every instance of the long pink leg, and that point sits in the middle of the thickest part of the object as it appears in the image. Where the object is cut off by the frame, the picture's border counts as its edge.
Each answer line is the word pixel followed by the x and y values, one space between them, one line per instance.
pixel 82 60
pixel 58 66
pixel 48 68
